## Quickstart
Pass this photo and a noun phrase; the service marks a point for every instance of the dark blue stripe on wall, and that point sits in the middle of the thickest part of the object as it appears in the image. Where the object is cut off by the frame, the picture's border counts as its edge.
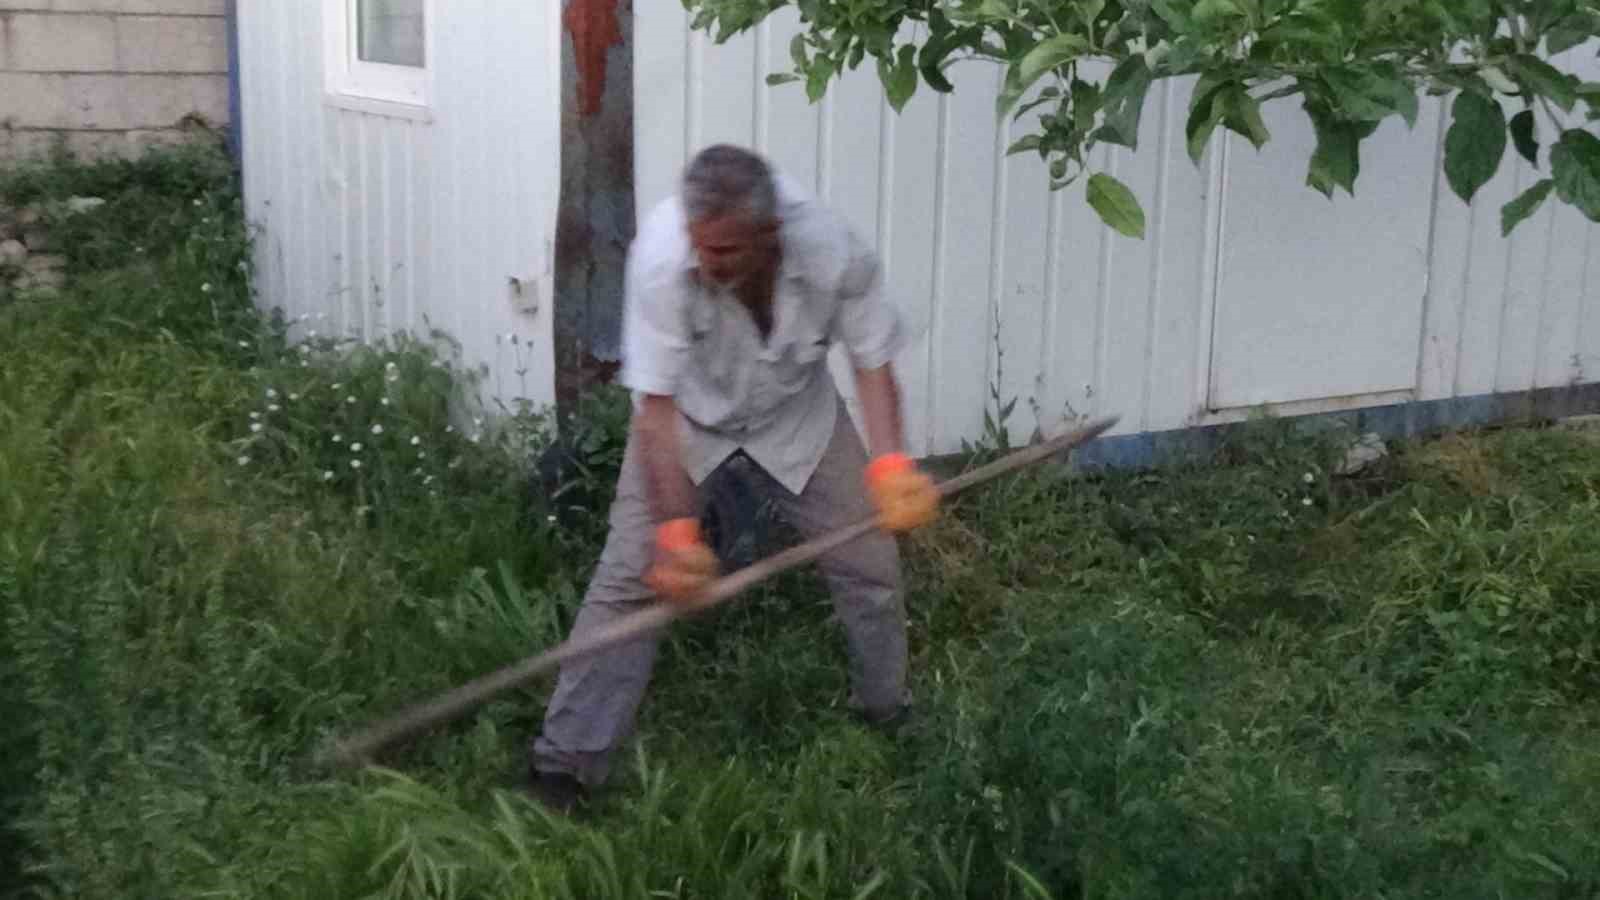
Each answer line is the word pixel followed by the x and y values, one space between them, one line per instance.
pixel 235 123
pixel 1398 421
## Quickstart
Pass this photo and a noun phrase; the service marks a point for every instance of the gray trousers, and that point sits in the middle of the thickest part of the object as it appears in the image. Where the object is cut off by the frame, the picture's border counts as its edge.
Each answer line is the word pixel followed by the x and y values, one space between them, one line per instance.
pixel 596 699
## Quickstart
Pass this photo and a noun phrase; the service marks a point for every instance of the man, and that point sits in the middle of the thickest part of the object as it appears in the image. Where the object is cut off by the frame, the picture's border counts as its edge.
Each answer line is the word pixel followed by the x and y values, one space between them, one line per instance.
pixel 736 289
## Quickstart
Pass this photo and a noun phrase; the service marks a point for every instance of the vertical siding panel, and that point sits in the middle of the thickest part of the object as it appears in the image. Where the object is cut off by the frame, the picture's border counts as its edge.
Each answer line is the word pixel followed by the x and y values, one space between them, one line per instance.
pixel 1449 263
pixel 1021 274
pixel 853 152
pixel 1528 257
pixel 661 86
pixel 321 235
pixel 353 149
pixel 960 363
pixel 1563 299
pixel 255 36
pixel 936 300
pixel 724 82
pixel 913 180
pixel 1589 310
pixel 792 122
pixel 425 298
pixel 1182 210
pixel 1076 305
pixel 1488 273
pixel 1135 282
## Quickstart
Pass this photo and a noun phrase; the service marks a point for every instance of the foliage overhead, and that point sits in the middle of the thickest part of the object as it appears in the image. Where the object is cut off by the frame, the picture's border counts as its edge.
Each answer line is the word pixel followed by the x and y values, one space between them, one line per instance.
pixel 1351 64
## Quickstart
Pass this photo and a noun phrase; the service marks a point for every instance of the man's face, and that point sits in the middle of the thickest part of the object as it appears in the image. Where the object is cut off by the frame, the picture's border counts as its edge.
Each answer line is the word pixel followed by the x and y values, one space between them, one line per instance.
pixel 732 248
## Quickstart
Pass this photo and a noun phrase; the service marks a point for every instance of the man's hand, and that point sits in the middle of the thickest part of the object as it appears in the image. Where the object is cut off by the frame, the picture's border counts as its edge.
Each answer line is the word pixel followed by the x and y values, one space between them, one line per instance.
pixel 905 496
pixel 684 566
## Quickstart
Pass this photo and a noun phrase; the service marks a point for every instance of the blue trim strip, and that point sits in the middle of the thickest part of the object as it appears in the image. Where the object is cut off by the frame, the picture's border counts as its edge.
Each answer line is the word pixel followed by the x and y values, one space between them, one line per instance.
pixel 235 125
pixel 1397 421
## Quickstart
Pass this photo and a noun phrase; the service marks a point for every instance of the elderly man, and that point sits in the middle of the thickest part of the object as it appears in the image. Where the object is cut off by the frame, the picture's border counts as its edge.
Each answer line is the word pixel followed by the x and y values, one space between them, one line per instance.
pixel 736 289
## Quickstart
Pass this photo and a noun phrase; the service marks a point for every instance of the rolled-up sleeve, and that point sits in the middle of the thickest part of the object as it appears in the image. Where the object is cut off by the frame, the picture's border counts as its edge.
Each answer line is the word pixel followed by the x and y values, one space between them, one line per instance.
pixel 655 330
pixel 867 323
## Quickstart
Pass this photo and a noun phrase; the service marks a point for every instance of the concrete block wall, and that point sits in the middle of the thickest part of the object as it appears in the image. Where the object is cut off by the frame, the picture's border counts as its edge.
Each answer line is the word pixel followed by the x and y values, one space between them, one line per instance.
pixel 109 77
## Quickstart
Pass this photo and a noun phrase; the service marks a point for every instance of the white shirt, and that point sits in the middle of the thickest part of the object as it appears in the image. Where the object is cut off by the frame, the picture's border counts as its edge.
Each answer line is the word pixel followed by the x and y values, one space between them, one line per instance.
pixel 775 400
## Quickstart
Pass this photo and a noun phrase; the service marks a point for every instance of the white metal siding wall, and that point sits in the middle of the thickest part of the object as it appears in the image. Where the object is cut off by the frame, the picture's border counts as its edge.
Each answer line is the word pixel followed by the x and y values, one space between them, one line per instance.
pixel 1237 295
pixel 372 224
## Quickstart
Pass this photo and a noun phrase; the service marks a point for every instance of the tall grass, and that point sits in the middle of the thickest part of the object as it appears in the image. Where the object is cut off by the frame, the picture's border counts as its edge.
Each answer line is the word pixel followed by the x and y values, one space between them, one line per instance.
pixel 1240 676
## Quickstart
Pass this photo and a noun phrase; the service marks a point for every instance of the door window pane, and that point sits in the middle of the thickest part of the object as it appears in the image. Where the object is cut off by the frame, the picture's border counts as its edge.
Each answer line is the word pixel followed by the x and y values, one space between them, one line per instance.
pixel 390 31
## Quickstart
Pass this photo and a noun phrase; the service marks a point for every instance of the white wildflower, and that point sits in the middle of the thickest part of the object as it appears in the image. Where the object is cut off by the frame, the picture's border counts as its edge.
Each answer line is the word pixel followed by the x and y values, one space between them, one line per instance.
pixel 338 439
pixel 327 475
pixel 304 364
pixel 550 519
pixel 337 384
pixel 384 401
pixel 428 480
pixel 422 454
pixel 293 397
pixel 305 350
pixel 449 429
pixel 350 399
pixel 415 441
pixel 255 415
pixel 271 394
pixel 244 343
pixel 255 427
pixel 355 463
pixel 1305 501
pixel 1309 478
pixel 476 438
pixel 355 447
pixel 244 460
pixel 273 407
pixel 377 429
pixel 205 288
pixel 197 202
pixel 312 333
pixel 390 366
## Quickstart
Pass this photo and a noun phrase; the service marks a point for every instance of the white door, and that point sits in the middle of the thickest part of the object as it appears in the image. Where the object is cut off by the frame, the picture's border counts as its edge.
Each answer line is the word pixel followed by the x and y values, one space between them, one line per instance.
pixel 1320 299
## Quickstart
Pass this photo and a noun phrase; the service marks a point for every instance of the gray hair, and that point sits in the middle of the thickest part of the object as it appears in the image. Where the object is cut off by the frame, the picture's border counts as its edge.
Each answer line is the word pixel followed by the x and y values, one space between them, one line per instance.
pixel 725 179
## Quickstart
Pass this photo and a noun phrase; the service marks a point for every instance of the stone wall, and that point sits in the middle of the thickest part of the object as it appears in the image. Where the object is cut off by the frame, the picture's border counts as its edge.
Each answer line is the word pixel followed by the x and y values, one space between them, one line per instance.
pixel 109 77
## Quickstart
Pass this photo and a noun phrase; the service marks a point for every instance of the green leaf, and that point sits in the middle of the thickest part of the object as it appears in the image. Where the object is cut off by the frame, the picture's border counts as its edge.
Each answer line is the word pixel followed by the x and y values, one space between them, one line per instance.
pixel 777 78
pixel 1373 97
pixel 1211 10
pixel 797 52
pixel 1336 162
pixel 1124 101
pixel 1524 136
pixel 1572 31
pixel 1086 101
pixel 1023 145
pixel 817 78
pixel 1474 145
pixel 1537 76
pixel 930 61
pixel 1205 113
pixel 900 80
pixel 1176 17
pixel 1243 116
pixel 1117 205
pixel 1575 160
pixel 1048 54
pixel 1520 209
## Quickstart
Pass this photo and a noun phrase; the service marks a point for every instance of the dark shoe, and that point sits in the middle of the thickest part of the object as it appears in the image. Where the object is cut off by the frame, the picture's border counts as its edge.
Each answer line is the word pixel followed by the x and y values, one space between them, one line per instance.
pixel 889 722
pixel 557 791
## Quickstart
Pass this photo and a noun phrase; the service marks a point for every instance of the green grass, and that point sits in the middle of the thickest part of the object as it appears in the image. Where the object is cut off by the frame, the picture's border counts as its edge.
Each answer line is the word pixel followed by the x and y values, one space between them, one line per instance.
pixel 1242 678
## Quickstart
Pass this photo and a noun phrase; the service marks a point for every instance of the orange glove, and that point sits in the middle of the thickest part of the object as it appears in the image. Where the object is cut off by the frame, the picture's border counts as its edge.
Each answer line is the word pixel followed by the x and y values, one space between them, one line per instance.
pixel 906 497
pixel 684 565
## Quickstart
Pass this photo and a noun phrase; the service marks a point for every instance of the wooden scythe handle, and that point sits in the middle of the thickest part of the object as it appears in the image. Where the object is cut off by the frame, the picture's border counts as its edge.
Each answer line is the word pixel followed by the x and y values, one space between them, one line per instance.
pixel 462 700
